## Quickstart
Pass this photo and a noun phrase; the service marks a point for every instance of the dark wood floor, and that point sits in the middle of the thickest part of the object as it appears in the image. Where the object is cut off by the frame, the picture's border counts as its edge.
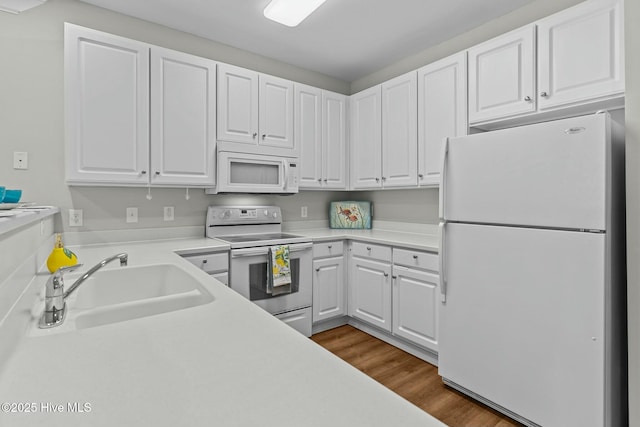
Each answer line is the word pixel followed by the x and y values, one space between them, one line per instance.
pixel 410 377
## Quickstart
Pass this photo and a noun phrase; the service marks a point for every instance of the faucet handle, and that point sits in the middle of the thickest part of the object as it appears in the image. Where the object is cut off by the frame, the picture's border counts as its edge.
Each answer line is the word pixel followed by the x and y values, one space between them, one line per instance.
pixel 56 281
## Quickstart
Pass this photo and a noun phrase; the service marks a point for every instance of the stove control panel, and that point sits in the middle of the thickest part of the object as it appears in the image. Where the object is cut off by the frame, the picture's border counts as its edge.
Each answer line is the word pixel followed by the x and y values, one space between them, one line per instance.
pixel 239 215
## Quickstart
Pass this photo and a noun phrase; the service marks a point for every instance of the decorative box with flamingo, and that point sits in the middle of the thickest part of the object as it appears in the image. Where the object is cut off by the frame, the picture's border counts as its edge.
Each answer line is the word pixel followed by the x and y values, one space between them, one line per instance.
pixel 350 214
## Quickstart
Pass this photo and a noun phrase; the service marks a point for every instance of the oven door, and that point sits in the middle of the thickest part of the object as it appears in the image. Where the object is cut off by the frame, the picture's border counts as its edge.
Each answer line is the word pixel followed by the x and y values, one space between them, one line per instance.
pixel 248 277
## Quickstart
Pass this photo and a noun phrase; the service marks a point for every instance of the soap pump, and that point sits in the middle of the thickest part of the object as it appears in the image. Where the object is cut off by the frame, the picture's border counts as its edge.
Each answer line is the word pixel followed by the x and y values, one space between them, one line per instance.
pixel 60 256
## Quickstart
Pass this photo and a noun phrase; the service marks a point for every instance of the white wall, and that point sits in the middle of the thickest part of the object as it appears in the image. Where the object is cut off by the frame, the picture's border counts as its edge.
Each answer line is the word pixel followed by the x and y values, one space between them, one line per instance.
pixel 632 127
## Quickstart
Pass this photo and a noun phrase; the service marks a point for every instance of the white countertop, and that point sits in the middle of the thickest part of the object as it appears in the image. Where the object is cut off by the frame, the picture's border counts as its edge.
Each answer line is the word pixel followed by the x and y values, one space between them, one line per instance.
pixel 225 363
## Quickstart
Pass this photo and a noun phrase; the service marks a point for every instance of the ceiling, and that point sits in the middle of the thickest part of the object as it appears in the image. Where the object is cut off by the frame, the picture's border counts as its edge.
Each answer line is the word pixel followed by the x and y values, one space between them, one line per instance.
pixel 345 39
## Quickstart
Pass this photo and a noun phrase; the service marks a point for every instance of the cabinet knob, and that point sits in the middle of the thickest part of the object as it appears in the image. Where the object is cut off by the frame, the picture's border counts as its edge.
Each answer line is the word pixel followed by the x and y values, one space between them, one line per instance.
pixel 415 257
pixel 543 94
pixel 329 247
pixel 157 173
pixel 377 179
pixel 254 135
pixel 394 277
pixel 527 98
pixel 264 136
pixel 384 178
pixel 420 175
pixel 319 179
pixel 143 172
pixel 204 261
pixel 386 274
pixel 325 180
pixel 317 269
pixel 368 248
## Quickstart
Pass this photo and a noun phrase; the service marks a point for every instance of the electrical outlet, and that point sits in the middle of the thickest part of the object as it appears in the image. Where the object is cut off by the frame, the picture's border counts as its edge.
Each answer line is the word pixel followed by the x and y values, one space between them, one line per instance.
pixel 132 214
pixel 168 213
pixel 75 217
pixel 20 160
pixel 303 211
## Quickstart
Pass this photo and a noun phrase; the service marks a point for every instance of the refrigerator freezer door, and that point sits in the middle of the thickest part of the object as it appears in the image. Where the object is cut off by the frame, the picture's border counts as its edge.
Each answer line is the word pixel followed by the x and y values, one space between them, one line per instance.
pixel 552 174
pixel 523 322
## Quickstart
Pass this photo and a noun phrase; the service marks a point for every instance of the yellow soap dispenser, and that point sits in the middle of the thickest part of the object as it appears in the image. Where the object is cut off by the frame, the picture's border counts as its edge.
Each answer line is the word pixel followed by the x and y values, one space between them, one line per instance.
pixel 60 256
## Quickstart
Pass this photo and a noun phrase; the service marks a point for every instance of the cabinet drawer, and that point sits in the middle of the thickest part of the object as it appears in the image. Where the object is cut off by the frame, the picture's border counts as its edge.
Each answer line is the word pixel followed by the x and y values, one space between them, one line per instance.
pixel 416 259
pixel 327 249
pixel 210 263
pixel 367 250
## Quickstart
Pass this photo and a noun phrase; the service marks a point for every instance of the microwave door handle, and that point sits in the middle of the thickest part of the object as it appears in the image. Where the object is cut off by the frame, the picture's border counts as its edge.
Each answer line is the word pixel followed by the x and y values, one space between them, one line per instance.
pixel 285 186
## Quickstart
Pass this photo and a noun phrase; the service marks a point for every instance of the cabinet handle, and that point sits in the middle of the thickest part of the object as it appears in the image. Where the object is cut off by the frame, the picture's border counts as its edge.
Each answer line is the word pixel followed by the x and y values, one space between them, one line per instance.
pixel 543 94
pixel 369 248
pixel 420 176
pixel 377 179
pixel 319 179
pixel 204 261
pixel 264 136
pixel 415 257
pixel 318 269
pixel 386 274
pixel 527 98
pixel 254 135
pixel 394 277
pixel 384 178
pixel 143 172
pixel 325 180
pixel 157 173
pixel 329 247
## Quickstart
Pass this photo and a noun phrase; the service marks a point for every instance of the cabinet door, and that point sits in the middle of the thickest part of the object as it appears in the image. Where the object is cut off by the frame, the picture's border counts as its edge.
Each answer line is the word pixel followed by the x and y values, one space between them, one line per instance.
pixel 328 288
pixel 399 131
pixel 442 112
pixel 107 107
pixel 183 100
pixel 237 105
pixel 370 296
pixel 581 54
pixel 502 76
pixel 366 139
pixel 334 140
pixel 276 113
pixel 308 134
pixel 415 306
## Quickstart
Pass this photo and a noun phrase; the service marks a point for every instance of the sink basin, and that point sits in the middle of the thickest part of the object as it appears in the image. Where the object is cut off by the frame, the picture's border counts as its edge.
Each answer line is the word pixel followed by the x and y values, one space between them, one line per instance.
pixel 127 293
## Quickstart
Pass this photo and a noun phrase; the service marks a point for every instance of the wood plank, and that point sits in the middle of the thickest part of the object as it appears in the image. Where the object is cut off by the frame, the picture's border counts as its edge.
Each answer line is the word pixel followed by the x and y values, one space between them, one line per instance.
pixel 410 377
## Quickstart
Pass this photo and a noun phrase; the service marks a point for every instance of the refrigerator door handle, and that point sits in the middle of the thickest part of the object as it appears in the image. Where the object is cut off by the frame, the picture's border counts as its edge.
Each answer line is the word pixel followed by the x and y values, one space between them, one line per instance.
pixel 443 174
pixel 441 262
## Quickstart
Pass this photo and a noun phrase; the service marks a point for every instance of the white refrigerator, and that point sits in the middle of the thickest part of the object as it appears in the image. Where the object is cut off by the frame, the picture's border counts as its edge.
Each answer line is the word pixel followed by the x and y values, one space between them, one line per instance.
pixel 532 266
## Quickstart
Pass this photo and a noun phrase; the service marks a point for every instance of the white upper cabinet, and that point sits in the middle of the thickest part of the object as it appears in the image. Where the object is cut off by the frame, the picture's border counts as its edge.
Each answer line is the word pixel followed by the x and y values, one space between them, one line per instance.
pixel 384 135
pixel 321 134
pixel 442 112
pixel 334 140
pixel 400 131
pixel 366 138
pixel 107 108
pixel 255 112
pixel 502 76
pixel 580 67
pixel 308 133
pixel 137 114
pixel 581 54
pixel 183 101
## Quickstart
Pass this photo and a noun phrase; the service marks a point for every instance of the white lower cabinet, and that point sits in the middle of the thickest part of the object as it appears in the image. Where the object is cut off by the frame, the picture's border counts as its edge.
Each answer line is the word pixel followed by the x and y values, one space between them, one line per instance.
pixel 415 306
pixel 370 284
pixel 328 281
pixel 215 264
pixel 298 320
pixel 396 290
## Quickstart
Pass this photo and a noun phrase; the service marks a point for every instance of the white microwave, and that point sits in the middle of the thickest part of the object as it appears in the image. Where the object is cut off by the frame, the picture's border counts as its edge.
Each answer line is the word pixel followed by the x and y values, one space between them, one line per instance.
pixel 256 173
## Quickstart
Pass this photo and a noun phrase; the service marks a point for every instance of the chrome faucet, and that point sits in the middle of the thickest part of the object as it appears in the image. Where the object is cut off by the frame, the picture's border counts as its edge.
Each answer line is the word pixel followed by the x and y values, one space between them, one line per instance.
pixel 55 296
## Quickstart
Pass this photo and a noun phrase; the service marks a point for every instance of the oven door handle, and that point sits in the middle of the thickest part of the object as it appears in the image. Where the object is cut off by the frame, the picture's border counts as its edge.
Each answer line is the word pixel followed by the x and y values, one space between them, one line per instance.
pixel 264 250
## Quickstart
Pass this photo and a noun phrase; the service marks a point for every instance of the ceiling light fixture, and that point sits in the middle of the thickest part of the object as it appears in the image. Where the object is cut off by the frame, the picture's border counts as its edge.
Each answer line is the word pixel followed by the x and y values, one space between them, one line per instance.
pixel 291 12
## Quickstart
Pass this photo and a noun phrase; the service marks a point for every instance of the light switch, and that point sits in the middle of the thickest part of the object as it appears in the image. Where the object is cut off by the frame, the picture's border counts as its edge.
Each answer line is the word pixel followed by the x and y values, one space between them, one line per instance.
pixel 20 160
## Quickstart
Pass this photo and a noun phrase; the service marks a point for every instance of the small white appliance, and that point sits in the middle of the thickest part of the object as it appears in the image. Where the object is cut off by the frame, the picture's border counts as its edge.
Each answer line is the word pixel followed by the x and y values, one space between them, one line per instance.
pixel 532 265
pixel 250 232
pixel 256 173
